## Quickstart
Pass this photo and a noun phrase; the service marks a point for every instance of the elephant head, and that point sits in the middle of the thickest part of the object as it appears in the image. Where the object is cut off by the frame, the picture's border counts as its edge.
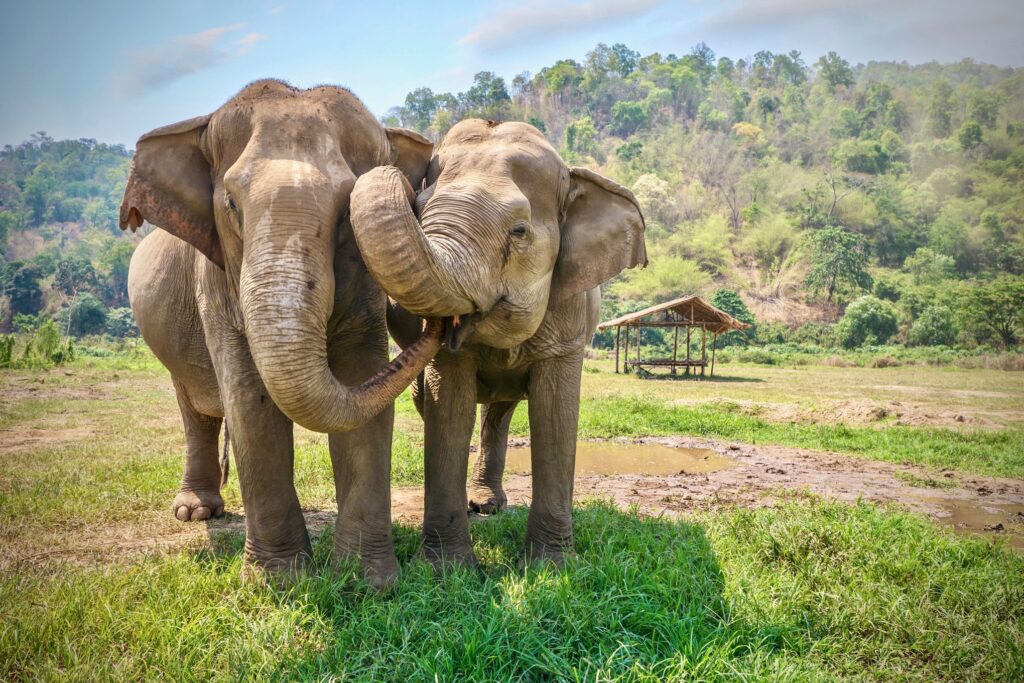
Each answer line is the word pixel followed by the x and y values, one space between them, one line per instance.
pixel 262 188
pixel 503 231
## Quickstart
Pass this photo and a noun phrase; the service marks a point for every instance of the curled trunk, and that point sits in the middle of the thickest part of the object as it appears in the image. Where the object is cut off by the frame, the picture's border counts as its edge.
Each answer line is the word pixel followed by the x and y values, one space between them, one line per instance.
pixel 286 291
pixel 414 270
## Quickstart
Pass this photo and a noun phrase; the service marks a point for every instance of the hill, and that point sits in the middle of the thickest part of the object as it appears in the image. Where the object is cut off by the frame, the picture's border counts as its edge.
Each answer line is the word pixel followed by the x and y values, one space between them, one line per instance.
pixel 804 188
pixel 59 205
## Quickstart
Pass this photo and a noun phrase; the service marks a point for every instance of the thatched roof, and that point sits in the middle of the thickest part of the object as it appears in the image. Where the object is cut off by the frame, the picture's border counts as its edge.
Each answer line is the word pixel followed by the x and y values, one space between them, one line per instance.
pixel 692 309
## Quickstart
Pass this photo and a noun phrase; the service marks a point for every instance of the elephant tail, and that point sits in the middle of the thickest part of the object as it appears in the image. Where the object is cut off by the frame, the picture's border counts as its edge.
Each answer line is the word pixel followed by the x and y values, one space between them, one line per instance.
pixel 225 462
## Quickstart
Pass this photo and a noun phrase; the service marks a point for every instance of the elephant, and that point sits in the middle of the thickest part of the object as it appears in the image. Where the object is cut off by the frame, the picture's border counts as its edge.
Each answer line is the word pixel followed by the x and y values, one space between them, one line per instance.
pixel 256 299
pixel 509 246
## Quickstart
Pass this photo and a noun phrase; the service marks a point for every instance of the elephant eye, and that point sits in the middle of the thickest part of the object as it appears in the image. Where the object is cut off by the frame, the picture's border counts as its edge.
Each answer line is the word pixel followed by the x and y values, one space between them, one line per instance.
pixel 519 230
pixel 231 202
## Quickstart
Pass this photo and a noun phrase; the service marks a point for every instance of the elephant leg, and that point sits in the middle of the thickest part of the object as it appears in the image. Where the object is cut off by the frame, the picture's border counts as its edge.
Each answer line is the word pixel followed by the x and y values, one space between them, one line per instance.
pixel 276 540
pixel 449 411
pixel 486 493
pixel 199 497
pixel 554 403
pixel 361 461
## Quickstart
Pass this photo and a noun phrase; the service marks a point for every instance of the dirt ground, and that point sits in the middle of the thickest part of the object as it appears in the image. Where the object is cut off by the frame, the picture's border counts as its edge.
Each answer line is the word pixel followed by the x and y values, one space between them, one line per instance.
pixel 764 475
pixel 44 412
pixel 758 475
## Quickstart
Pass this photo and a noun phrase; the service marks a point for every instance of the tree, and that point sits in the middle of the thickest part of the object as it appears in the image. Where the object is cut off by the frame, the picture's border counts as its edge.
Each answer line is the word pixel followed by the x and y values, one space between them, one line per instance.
pixel 73 276
pixel 983 107
pixel 487 96
pixel 623 60
pixel 996 310
pixel 934 327
pixel 940 110
pixel 420 105
pixel 928 267
pixel 25 293
pixel 561 77
pixel 969 135
pixel 581 136
pixel 628 117
pixel 115 262
pixel 730 302
pixel 87 315
pixel 835 71
pixel 790 68
pixel 121 323
pixel 837 257
pixel 867 322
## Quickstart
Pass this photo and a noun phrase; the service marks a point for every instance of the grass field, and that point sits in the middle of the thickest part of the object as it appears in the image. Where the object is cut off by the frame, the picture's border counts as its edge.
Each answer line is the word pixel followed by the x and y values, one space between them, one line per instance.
pixel 807 589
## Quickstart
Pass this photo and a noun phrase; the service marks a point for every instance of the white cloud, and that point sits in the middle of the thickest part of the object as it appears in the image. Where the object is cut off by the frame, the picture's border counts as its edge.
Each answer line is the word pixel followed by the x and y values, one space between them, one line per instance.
pixel 538 19
pixel 182 56
pixel 916 30
pixel 245 43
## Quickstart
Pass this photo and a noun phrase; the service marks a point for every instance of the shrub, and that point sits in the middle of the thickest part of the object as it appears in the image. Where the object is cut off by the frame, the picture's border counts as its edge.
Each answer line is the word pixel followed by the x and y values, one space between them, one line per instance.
pixel 23 322
pixel 43 348
pixel 934 327
pixel 772 333
pixel 929 267
pixel 819 334
pixel 121 323
pixel 88 315
pixel 888 287
pixel 6 350
pixel 867 321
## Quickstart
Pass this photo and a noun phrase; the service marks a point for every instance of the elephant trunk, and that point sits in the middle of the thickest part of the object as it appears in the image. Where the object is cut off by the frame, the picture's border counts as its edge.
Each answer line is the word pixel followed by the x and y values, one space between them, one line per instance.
pixel 417 271
pixel 286 289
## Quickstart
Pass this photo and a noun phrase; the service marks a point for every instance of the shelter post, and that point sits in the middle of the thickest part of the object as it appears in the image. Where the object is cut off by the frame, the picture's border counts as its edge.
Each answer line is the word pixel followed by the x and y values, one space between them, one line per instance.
pixel 714 341
pixel 618 333
pixel 675 342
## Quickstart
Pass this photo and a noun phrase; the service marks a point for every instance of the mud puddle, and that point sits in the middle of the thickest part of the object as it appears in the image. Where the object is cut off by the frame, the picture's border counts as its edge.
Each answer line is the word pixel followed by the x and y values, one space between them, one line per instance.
pixel 601 458
pixel 978 516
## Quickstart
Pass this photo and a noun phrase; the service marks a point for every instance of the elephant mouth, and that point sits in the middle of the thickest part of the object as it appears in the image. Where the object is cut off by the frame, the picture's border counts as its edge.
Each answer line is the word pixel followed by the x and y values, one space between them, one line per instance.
pixel 456 328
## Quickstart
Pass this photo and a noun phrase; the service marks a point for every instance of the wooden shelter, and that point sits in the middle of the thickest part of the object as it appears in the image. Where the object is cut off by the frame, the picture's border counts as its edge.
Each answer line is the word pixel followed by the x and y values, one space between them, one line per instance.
pixel 689 312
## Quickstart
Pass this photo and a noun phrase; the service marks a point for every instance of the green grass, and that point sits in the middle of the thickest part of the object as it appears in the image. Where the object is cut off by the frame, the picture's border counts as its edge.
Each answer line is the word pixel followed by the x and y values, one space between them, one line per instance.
pixel 808 591
pixel 998 453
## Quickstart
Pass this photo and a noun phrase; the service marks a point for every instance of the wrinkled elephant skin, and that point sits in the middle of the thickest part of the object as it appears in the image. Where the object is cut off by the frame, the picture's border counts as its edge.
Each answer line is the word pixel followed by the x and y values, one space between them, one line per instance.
pixel 515 244
pixel 255 297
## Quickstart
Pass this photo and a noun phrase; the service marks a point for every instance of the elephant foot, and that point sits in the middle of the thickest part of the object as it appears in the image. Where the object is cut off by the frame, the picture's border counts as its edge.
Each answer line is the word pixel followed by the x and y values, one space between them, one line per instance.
pixel 277 572
pixel 379 568
pixel 449 556
pixel 486 500
pixel 549 553
pixel 197 505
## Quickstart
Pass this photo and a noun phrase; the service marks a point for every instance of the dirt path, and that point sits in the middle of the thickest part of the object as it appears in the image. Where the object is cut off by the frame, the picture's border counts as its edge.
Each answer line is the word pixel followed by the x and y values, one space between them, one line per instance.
pixel 758 475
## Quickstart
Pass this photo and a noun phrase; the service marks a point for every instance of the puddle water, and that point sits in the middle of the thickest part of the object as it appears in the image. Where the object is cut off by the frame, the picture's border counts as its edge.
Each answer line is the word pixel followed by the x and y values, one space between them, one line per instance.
pixel 602 457
pixel 1005 520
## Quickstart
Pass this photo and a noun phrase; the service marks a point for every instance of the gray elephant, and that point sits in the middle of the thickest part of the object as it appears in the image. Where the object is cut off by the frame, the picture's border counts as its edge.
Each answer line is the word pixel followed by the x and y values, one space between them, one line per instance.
pixel 255 298
pixel 513 244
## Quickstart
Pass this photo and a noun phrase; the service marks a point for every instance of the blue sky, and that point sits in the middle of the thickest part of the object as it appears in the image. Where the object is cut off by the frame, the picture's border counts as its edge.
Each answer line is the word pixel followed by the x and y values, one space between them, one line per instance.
pixel 112 70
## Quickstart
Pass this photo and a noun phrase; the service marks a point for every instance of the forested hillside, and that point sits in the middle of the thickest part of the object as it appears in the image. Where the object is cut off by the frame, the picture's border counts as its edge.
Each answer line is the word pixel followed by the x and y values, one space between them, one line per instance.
pixel 62 249
pixel 886 197
pixel 803 187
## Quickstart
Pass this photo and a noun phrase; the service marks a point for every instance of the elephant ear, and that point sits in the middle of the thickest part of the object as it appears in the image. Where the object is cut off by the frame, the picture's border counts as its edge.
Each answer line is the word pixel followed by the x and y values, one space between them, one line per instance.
pixel 410 153
pixel 602 234
pixel 170 185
